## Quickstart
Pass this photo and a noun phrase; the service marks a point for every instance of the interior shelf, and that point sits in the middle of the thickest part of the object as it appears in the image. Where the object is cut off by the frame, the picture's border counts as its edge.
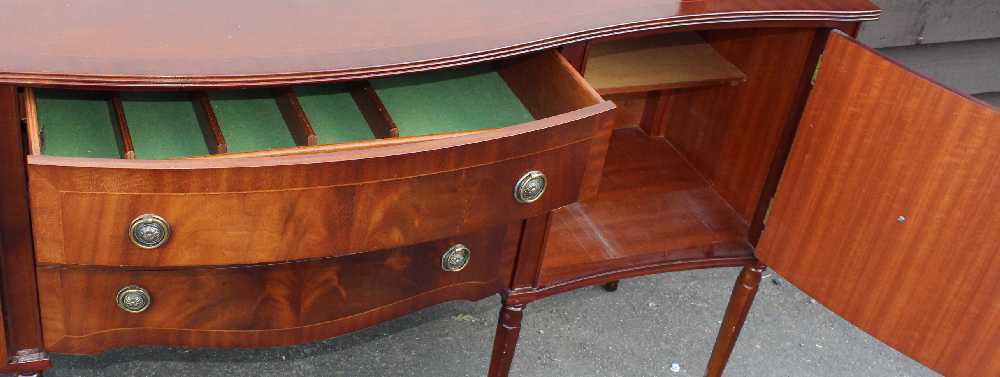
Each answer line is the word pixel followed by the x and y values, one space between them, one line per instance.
pixel 652 207
pixel 153 125
pixel 658 62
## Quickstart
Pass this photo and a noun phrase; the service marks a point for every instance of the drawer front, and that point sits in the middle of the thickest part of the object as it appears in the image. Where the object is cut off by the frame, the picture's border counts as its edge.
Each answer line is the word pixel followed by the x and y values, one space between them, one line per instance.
pixel 266 305
pixel 305 207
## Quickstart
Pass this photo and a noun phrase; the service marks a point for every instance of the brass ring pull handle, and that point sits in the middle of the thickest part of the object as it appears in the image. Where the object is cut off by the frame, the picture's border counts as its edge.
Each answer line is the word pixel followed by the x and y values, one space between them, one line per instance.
pixel 149 231
pixel 456 258
pixel 530 187
pixel 133 299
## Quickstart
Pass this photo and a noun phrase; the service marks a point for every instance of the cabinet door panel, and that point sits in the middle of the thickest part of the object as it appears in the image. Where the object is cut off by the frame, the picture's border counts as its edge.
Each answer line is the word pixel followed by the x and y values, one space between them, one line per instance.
pixel 888 211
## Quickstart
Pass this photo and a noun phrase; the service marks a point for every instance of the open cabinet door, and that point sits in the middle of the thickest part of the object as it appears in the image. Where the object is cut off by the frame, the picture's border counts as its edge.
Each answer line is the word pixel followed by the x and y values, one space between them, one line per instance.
pixel 888 211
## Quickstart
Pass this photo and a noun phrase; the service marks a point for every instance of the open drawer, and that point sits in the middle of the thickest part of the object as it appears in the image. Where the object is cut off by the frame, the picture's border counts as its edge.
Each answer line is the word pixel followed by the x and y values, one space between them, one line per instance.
pixel 473 133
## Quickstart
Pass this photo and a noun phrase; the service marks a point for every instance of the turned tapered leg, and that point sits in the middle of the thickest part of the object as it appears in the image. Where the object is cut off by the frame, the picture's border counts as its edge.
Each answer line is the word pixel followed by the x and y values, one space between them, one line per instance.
pixel 508 329
pixel 611 286
pixel 736 314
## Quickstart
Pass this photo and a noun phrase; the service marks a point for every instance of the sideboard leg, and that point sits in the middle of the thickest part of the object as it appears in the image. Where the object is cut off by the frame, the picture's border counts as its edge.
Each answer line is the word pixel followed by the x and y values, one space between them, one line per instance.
pixel 736 313
pixel 508 329
pixel 611 286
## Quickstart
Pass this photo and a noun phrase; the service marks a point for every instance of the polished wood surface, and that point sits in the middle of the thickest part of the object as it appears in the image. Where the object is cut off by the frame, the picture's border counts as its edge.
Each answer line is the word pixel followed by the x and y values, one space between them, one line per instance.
pixel 150 44
pixel 787 135
pixel 326 204
pixel 888 210
pixel 653 212
pixel 20 314
pixel 737 310
pixel 505 340
pixel 267 305
pixel 729 133
pixel 657 62
pixel 293 212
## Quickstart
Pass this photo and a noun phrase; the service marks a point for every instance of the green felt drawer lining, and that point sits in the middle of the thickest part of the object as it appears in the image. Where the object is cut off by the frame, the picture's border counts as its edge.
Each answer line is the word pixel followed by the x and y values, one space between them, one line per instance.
pixel 452 100
pixel 250 120
pixel 333 114
pixel 166 125
pixel 77 124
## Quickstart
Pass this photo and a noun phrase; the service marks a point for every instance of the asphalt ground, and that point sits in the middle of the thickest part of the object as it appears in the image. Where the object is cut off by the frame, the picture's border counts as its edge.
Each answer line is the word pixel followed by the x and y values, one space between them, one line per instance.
pixel 661 325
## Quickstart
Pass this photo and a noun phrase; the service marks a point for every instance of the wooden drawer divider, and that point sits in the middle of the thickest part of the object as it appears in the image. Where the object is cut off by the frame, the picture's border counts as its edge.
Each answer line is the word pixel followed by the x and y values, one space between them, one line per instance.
pixel 373 109
pixel 209 124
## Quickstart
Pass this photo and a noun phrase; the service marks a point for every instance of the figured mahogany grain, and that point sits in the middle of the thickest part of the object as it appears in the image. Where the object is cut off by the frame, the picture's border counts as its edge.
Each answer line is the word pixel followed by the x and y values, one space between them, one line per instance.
pixel 565 89
pixel 267 305
pixel 730 133
pixel 86 43
pixel 325 204
pixel 652 208
pixel 889 207
pixel 314 220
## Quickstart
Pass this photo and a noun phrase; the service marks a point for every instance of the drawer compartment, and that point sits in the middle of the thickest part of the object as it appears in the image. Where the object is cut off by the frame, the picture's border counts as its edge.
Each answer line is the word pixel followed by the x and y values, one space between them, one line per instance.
pixel 266 305
pixel 326 200
pixel 154 126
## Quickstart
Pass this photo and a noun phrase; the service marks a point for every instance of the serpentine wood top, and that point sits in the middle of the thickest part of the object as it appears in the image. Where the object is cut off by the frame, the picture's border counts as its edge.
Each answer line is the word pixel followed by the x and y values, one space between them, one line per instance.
pixel 193 43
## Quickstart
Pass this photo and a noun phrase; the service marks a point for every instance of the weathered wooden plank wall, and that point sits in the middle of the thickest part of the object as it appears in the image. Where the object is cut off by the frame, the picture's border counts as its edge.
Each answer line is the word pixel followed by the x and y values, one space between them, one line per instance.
pixel 956 42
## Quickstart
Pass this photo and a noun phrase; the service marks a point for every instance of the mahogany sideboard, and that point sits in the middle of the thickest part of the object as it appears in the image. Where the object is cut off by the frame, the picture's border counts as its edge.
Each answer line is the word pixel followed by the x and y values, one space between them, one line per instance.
pixel 270 173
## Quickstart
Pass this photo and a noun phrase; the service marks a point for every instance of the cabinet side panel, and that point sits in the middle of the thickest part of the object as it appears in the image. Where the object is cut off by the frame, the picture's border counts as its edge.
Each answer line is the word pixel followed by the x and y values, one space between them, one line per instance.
pixel 889 209
pixel 730 133
pixel 17 261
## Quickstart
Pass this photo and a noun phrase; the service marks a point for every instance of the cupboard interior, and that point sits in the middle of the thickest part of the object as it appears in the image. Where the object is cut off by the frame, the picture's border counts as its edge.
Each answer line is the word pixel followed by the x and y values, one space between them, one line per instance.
pixel 700 118
pixel 166 125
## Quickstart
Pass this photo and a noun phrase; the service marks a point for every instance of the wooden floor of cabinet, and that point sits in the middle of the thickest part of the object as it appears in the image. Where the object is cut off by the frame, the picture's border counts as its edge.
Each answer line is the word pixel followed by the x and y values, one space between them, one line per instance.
pixel 652 209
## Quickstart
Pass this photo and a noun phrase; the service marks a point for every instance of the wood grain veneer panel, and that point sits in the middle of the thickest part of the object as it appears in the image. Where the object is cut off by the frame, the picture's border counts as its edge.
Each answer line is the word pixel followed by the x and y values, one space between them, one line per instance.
pixel 268 305
pixel 220 45
pixel 652 207
pixel 657 62
pixel 548 85
pixel 355 201
pixel 730 133
pixel 877 142
pixel 258 226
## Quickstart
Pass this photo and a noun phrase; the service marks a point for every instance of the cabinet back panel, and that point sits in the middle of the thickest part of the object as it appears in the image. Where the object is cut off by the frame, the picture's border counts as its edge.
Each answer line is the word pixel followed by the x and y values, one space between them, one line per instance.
pixel 77 124
pixel 250 120
pixel 333 114
pixel 451 100
pixel 730 133
pixel 163 125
